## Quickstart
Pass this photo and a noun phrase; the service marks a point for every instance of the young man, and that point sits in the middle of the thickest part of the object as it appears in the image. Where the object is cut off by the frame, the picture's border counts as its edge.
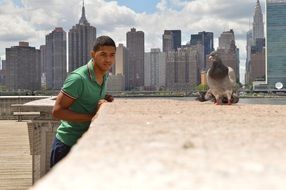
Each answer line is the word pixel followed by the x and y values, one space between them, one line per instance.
pixel 80 97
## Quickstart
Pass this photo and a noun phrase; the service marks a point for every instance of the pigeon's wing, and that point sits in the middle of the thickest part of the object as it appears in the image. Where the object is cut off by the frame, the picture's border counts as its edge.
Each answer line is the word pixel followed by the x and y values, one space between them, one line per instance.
pixel 207 76
pixel 214 86
pixel 231 75
pixel 210 81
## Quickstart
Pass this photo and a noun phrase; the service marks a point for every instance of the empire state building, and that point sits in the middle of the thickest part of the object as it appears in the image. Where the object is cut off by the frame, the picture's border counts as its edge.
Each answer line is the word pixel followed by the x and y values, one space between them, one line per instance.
pixel 81 39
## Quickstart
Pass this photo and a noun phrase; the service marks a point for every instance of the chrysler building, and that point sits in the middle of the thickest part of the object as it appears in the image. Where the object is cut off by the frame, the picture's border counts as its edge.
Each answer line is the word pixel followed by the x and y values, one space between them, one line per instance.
pixel 258 25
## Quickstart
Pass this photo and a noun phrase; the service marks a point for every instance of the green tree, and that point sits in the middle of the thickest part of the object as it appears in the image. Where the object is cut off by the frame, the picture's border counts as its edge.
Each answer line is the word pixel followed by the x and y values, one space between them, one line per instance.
pixel 202 87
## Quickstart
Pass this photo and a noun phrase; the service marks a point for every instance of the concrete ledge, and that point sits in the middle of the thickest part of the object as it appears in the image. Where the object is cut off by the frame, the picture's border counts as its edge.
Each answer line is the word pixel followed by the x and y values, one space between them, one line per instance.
pixel 26 113
pixel 165 144
pixel 9 104
pixel 31 115
pixel 41 128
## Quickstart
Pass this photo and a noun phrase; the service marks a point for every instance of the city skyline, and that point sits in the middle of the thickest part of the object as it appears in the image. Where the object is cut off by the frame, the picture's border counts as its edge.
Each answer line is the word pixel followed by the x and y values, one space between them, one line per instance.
pixel 32 20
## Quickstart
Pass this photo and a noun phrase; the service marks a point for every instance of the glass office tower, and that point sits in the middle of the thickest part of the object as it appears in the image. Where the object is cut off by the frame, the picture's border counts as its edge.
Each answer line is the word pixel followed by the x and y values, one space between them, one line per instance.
pixel 276 42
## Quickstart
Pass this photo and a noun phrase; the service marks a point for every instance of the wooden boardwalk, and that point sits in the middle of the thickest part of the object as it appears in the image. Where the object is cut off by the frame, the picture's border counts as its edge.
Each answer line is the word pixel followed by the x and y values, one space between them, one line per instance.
pixel 15 158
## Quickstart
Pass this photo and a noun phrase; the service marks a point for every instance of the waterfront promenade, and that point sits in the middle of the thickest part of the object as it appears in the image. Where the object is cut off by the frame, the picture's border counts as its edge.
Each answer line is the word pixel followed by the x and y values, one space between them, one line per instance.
pixel 171 144
pixel 15 158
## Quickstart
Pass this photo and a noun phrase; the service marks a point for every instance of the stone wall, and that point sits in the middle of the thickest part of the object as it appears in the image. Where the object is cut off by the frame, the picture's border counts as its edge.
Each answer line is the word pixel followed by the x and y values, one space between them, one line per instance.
pixel 167 144
pixel 42 129
pixel 6 111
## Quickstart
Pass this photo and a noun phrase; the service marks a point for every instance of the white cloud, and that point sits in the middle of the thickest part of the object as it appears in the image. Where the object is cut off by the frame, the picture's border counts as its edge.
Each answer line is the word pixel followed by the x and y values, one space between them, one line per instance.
pixel 14 26
pixel 15 29
pixel 107 16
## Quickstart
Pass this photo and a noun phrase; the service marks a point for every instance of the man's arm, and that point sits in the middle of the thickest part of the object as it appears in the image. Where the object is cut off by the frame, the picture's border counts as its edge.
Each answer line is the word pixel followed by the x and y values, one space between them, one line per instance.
pixel 61 110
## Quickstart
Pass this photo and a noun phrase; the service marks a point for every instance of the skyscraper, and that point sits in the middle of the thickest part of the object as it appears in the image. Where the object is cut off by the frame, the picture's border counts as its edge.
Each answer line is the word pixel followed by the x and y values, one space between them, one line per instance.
pixel 43 64
pixel 248 56
pixel 258 25
pixel 116 81
pixel 23 67
pixel 134 75
pixel 155 69
pixel 55 59
pixel 2 72
pixel 228 51
pixel 171 40
pixel 81 40
pixel 255 65
pixel 226 39
pixel 205 39
pixel 276 42
pixel 120 59
pixel 181 68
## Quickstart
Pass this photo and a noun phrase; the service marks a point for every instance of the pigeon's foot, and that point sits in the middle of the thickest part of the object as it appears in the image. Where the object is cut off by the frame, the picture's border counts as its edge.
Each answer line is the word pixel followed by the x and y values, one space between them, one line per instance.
pixel 229 102
pixel 218 102
pixel 215 101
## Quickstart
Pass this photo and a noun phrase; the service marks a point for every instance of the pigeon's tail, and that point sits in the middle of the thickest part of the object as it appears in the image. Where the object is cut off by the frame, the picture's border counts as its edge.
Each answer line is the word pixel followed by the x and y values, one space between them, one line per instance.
pixel 201 97
pixel 234 98
pixel 204 96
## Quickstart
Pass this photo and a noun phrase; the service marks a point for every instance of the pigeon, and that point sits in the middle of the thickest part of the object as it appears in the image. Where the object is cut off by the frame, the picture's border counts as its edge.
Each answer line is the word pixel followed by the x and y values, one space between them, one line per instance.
pixel 220 79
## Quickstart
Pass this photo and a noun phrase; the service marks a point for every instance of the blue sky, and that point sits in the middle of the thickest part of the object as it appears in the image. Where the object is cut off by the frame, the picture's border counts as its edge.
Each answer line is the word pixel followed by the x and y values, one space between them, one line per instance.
pixel 16 2
pixel 148 6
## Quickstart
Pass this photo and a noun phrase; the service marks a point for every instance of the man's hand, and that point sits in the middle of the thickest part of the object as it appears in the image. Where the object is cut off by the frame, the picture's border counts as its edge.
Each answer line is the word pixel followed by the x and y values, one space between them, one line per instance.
pixel 100 102
pixel 109 98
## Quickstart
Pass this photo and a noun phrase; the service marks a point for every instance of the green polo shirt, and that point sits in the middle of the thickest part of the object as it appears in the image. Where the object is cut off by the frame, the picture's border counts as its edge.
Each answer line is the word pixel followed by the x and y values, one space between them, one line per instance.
pixel 80 85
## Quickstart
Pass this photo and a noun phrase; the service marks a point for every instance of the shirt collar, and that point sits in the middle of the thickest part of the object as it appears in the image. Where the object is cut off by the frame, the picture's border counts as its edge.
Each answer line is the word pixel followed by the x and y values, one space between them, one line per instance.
pixel 91 73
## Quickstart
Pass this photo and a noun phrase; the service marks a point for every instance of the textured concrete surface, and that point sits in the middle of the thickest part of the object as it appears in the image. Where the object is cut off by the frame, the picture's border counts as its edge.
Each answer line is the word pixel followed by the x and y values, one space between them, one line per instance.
pixel 164 144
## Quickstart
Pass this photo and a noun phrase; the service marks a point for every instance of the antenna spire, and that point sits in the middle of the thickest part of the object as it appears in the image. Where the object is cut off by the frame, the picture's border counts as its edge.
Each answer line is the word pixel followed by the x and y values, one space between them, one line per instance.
pixel 83 19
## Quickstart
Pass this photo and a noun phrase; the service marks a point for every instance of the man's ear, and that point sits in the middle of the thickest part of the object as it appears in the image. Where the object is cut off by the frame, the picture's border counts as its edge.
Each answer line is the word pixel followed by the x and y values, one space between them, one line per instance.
pixel 92 53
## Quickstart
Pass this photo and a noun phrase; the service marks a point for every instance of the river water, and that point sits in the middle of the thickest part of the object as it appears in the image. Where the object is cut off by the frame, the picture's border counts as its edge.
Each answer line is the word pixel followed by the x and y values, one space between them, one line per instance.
pixel 272 101
pixel 269 101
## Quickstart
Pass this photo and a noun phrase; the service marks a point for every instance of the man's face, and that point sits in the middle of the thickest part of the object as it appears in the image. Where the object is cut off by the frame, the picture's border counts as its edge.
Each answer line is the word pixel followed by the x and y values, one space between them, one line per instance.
pixel 104 58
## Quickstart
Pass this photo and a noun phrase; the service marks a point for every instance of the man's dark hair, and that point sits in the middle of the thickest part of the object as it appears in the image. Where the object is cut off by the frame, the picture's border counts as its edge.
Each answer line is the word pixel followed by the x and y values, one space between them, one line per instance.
pixel 103 41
